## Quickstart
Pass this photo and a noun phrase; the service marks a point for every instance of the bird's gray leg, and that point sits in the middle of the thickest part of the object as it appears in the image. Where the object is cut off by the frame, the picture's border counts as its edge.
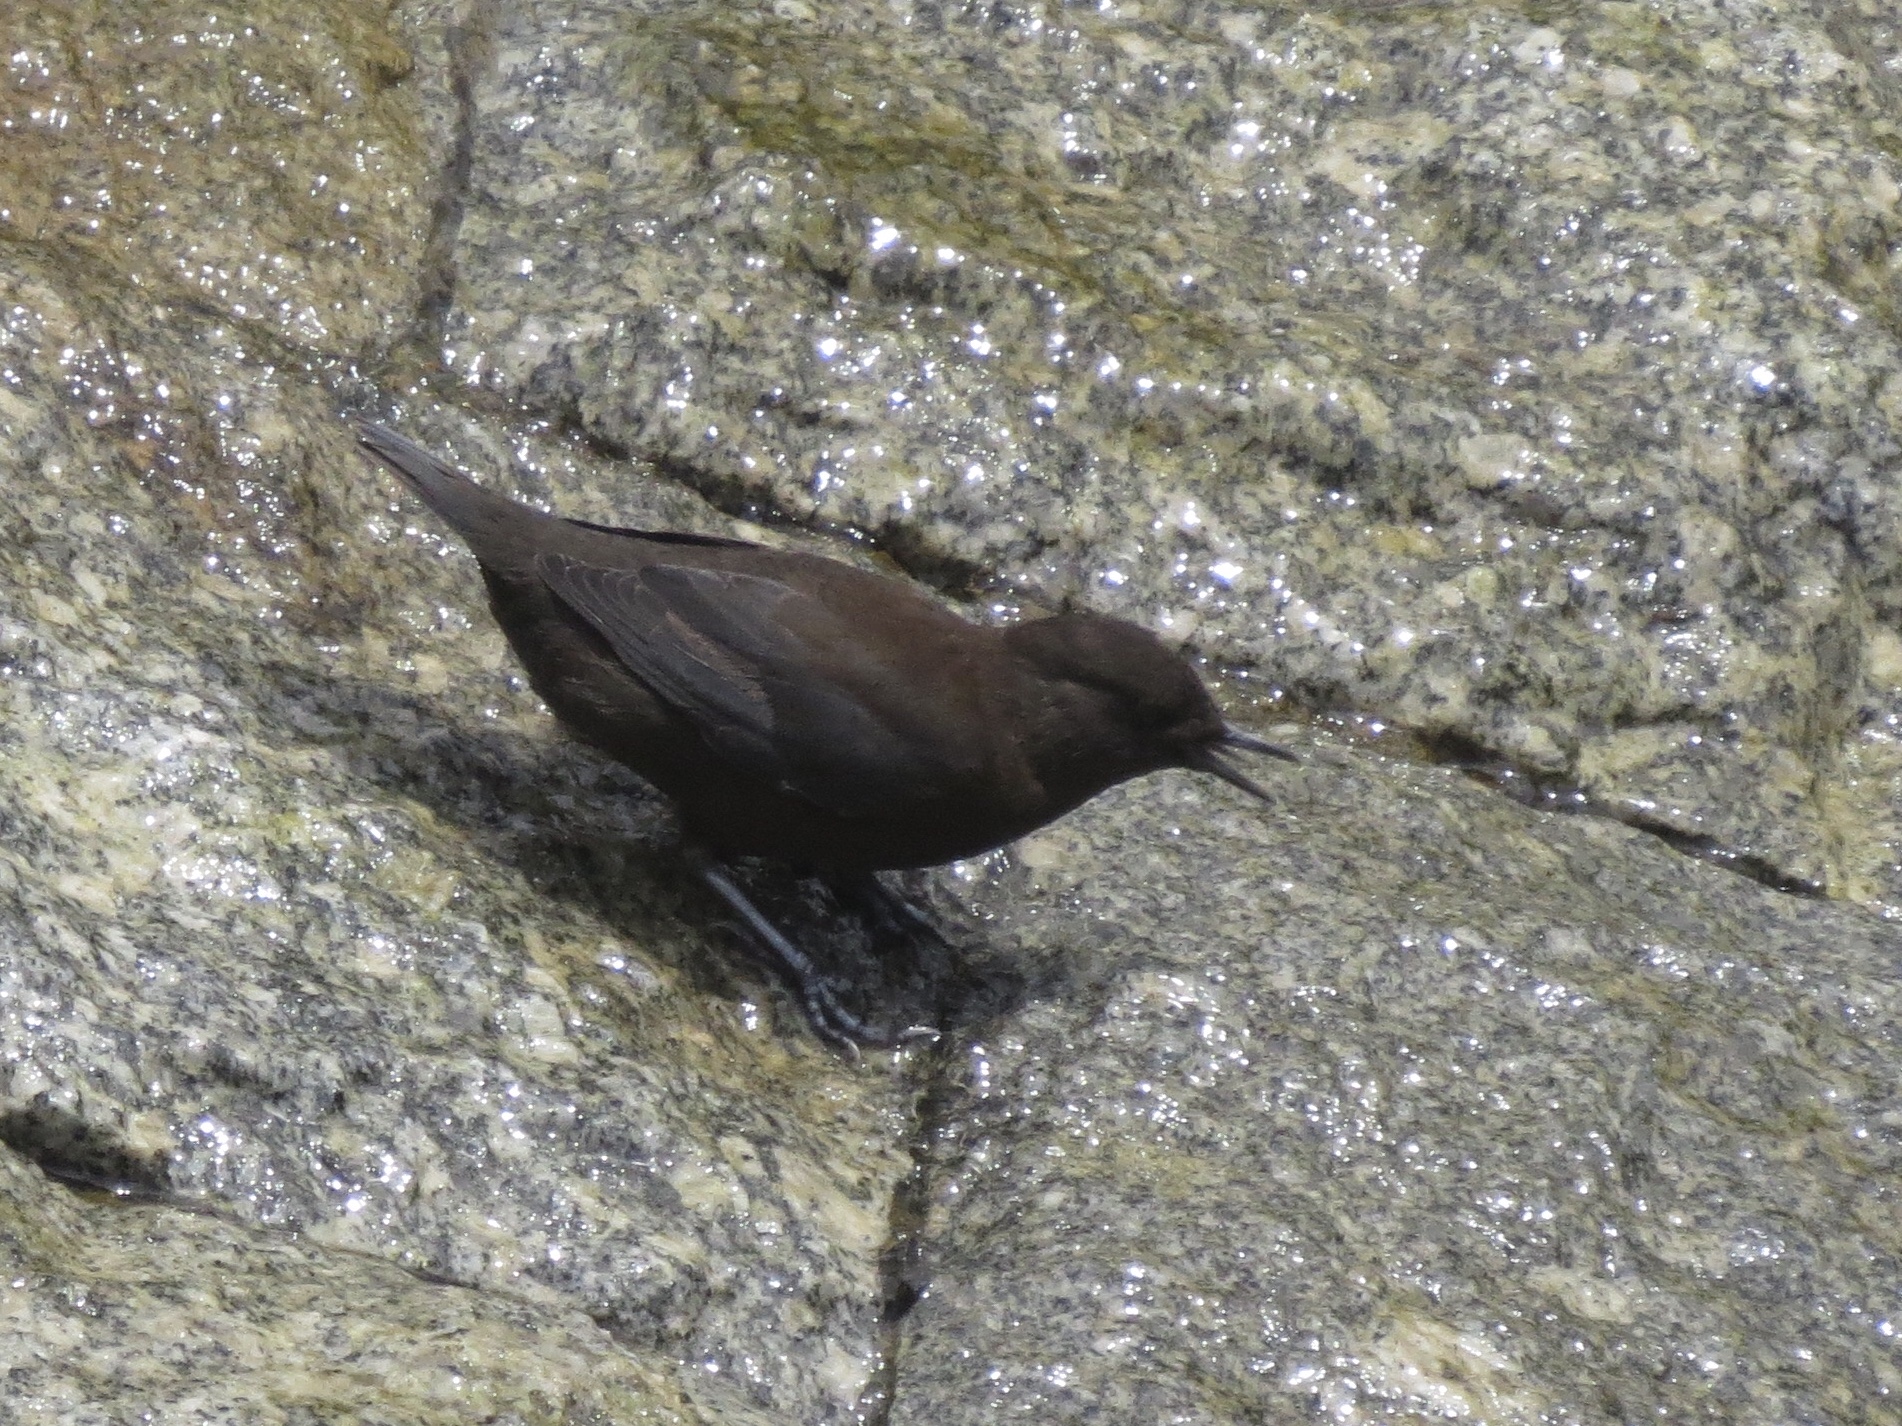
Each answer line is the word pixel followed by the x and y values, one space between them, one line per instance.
pixel 830 1020
pixel 891 914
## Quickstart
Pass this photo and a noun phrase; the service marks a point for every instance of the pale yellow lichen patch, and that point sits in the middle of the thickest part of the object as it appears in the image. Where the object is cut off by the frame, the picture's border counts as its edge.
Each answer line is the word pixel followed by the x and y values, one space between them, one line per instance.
pixel 1614 756
pixel 540 1032
pixel 419 878
pixel 148 1135
pixel 1456 1374
pixel 707 1188
pixel 1490 460
pixel 853 1226
pixel 1043 851
pixel 1405 542
pixel 843 1375
pixel 1590 1295
pixel 1882 658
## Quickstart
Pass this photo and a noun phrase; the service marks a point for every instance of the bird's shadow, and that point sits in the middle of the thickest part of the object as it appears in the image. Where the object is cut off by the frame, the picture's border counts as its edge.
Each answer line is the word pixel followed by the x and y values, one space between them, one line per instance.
pixel 583 830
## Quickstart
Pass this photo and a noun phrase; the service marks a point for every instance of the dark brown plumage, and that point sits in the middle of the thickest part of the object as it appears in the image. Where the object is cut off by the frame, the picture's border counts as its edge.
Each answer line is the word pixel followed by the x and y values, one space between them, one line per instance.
pixel 802 709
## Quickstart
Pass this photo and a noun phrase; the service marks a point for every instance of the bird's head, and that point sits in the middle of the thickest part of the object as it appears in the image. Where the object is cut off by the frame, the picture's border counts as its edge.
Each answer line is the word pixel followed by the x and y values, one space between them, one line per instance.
pixel 1132 704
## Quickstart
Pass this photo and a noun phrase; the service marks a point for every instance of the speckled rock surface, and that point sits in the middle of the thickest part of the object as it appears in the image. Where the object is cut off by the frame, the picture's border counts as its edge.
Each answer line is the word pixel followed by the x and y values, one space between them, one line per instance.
pixel 182 1317
pixel 309 917
pixel 1525 381
pixel 1452 1112
pixel 1530 381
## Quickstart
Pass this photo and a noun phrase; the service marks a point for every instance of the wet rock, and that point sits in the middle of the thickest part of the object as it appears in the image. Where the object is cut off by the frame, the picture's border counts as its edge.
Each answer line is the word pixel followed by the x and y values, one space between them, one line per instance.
pixel 1453 1110
pixel 1524 389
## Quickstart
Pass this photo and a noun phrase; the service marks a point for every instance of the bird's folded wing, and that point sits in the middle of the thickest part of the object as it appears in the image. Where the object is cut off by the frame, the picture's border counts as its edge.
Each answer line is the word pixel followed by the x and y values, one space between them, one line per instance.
pixel 774 680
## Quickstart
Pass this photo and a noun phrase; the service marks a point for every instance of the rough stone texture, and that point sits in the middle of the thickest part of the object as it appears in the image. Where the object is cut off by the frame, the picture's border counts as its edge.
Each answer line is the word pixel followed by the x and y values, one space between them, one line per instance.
pixel 309 916
pixel 1526 379
pixel 186 1318
pixel 1451 1111
pixel 1534 382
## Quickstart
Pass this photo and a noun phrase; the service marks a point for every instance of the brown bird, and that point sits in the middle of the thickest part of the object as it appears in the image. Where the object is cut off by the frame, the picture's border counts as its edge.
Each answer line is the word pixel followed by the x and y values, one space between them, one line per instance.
pixel 797 708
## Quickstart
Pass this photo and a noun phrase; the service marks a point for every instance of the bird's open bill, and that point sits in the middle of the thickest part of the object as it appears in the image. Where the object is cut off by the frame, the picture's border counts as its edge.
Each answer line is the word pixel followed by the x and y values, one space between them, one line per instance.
pixel 1234 737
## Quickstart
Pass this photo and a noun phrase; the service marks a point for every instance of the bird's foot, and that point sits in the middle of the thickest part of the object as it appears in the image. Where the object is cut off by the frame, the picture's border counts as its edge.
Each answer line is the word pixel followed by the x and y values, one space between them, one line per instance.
pixel 890 916
pixel 830 1020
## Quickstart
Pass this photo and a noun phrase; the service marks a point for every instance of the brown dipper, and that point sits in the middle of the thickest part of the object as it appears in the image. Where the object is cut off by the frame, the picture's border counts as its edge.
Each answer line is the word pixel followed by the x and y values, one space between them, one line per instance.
pixel 802 709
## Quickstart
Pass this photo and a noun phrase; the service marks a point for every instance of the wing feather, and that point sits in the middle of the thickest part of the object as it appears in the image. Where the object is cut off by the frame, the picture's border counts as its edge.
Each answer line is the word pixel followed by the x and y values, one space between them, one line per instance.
pixel 775 680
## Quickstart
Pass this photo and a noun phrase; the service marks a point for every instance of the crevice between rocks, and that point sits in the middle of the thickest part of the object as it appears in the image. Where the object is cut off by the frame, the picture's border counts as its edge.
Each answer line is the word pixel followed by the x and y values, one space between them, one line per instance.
pixel 1549 793
pixel 902 1278
pixel 469 45
pixel 960 580
pixel 899 544
pixel 70 1151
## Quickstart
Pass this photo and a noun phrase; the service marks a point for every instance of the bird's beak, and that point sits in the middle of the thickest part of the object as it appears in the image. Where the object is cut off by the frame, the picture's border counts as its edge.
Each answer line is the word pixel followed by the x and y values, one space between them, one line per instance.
pixel 1229 773
pixel 1233 737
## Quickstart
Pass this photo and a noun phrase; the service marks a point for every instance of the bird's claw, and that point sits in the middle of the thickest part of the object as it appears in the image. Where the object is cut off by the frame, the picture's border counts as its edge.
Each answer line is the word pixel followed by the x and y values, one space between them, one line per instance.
pixel 830 1020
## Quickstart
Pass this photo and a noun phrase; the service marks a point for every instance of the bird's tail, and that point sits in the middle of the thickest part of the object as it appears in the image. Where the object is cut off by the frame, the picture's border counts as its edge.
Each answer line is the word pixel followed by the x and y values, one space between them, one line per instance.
pixel 493 524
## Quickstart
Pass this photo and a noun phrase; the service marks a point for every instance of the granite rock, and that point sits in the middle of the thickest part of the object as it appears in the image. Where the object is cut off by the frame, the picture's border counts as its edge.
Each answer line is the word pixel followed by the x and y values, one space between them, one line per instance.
pixel 1507 390
pixel 1267 1158
pixel 1527 383
pixel 185 1317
